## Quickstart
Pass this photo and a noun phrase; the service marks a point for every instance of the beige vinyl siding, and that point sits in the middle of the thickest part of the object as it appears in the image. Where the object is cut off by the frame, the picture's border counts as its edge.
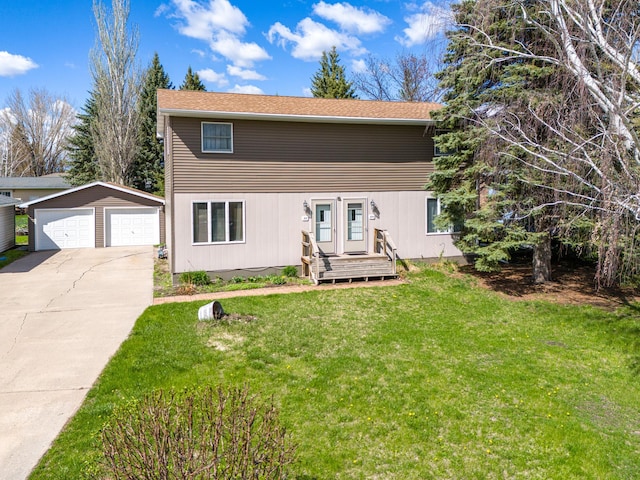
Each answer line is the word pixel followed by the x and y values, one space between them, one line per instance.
pixel 98 197
pixel 7 227
pixel 168 189
pixel 297 156
pixel 25 195
pixel 274 223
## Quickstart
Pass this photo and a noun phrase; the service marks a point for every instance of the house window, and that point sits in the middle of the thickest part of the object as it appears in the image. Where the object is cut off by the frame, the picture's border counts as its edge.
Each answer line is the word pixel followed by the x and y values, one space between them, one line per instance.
pixel 5 193
pixel 434 208
pixel 217 137
pixel 437 152
pixel 218 222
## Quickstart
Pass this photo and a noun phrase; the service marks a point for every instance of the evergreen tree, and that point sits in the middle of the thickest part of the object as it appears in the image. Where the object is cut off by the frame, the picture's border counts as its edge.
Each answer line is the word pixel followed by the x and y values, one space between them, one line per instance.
pixel 330 80
pixel 83 165
pixel 147 169
pixel 483 182
pixel 192 82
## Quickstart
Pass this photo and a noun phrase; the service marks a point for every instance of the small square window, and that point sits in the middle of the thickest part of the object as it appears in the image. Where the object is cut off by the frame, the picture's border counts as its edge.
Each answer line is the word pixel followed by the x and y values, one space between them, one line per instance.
pixel 217 137
pixel 437 152
pixel 434 209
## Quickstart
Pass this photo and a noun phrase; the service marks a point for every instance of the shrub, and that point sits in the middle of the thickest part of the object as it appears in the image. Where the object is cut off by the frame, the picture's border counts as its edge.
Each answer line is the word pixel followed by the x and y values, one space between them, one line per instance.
pixel 237 279
pixel 199 277
pixel 277 279
pixel 199 433
pixel 290 271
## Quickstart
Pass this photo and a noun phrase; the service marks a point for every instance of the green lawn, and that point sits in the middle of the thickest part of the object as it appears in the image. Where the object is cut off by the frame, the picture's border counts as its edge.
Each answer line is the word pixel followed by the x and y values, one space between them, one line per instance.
pixel 10 256
pixel 21 224
pixel 432 379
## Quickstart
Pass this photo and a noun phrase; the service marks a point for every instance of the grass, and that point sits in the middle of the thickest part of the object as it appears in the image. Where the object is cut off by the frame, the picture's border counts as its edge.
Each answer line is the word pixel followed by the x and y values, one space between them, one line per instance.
pixel 431 379
pixel 11 256
pixel 21 225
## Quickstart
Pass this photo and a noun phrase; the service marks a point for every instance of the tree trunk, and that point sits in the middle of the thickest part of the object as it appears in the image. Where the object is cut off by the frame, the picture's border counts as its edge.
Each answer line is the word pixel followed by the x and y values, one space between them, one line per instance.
pixel 542 259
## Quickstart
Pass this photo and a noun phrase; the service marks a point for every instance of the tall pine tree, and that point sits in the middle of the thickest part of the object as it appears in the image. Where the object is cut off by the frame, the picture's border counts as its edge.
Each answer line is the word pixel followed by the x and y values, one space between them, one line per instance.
pixel 192 82
pixel 147 170
pixel 483 182
pixel 330 80
pixel 83 166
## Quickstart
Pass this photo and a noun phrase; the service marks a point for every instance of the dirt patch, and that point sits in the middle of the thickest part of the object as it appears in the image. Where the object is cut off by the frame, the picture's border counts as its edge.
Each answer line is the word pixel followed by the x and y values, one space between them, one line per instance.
pixel 573 283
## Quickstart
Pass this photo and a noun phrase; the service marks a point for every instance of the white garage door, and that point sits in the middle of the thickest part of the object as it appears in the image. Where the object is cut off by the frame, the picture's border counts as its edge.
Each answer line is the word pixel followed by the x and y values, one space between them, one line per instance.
pixel 64 228
pixel 132 226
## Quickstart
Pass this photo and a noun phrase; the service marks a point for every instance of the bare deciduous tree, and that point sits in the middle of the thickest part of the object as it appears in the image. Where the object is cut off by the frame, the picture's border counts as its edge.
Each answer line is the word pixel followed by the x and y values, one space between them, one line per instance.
pixel 408 78
pixel 33 133
pixel 597 45
pixel 587 154
pixel 117 85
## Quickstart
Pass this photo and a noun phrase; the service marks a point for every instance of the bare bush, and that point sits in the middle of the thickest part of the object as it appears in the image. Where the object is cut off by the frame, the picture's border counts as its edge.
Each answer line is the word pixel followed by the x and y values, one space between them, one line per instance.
pixel 201 433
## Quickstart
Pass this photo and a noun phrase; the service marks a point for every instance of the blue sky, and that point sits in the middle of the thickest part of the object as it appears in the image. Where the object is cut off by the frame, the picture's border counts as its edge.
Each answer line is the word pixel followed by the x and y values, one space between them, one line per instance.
pixel 245 46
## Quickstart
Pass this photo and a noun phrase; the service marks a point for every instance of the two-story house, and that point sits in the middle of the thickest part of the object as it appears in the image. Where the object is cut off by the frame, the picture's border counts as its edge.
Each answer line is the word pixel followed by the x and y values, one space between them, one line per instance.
pixel 251 179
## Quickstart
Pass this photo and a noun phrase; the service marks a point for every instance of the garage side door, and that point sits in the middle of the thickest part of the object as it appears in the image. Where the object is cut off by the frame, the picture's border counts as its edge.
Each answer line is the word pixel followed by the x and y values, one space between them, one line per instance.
pixel 132 226
pixel 64 228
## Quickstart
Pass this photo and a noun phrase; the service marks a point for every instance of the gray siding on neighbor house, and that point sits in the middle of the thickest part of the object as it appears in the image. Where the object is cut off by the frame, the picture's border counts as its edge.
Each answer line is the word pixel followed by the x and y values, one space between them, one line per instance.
pixel 98 197
pixel 273 225
pixel 26 195
pixel 7 227
pixel 281 157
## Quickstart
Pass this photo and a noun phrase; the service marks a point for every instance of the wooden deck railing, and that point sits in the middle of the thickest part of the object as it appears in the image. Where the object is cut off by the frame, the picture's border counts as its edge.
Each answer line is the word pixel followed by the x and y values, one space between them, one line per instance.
pixel 310 250
pixel 383 243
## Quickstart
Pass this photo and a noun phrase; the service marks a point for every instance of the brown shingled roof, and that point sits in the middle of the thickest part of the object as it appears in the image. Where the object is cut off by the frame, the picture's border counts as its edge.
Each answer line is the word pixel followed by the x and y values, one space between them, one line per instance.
pixel 182 102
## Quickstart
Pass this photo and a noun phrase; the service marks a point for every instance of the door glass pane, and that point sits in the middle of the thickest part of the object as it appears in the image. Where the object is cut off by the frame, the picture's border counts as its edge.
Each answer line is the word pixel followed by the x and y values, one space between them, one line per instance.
pixel 200 223
pixel 235 222
pixel 218 233
pixel 355 222
pixel 323 223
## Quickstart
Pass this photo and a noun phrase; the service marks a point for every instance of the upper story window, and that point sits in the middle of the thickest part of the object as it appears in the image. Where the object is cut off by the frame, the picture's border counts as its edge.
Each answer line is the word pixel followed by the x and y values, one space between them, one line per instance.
pixel 437 152
pixel 217 137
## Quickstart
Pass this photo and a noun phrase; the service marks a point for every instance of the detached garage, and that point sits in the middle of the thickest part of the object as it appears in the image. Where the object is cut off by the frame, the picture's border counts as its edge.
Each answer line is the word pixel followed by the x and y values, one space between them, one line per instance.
pixel 95 215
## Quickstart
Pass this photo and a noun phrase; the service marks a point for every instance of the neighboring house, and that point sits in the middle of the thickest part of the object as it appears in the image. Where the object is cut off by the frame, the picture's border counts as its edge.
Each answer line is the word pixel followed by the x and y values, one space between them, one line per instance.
pixel 249 177
pixel 7 223
pixel 25 189
pixel 95 215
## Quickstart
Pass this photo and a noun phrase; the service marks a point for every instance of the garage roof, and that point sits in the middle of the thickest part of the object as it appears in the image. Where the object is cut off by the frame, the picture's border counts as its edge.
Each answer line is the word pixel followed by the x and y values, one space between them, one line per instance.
pixel 113 186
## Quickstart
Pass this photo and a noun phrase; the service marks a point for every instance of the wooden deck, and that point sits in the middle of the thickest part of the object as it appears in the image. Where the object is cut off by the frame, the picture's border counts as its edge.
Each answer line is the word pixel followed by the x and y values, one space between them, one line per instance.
pixel 319 268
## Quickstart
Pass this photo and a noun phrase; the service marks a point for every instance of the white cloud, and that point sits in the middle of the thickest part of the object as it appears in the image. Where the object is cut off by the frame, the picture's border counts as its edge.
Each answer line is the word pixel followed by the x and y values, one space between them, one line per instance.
pixel 311 38
pixel 306 91
pixel 202 22
pixel 425 25
pixel 252 89
pixel 12 65
pixel 358 66
pixel 221 25
pixel 352 19
pixel 243 73
pixel 162 8
pixel 240 53
pixel 211 76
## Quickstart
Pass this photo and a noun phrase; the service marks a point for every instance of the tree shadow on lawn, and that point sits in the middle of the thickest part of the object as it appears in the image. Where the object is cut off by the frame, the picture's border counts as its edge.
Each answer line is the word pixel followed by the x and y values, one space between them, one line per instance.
pixel 572 283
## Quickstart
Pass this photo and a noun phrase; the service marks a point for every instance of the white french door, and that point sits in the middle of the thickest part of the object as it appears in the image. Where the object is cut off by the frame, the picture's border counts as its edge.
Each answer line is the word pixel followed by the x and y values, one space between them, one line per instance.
pixel 323 225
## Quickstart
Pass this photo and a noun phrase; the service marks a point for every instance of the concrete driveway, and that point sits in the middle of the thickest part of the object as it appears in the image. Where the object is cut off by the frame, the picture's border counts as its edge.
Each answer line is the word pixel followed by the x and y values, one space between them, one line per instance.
pixel 62 316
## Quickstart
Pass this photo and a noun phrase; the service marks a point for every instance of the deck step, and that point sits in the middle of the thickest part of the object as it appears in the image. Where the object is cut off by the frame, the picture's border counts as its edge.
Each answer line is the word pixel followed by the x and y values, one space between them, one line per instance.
pixel 347 267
